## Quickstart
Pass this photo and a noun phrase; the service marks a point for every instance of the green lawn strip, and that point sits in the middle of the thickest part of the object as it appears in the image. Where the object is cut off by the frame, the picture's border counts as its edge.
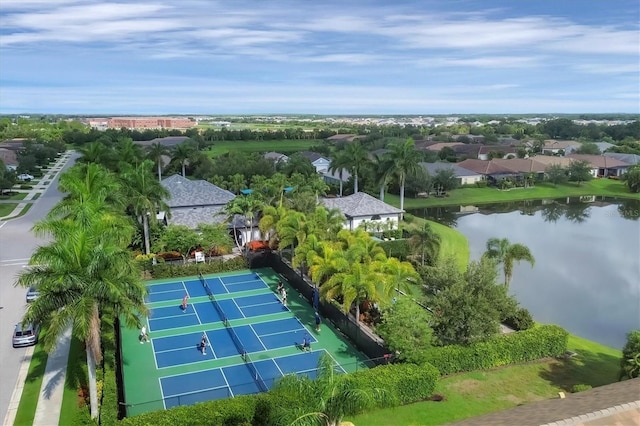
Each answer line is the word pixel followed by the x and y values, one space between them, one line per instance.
pixel 480 392
pixel 281 146
pixel 33 383
pixel 452 242
pixel 467 196
pixel 16 196
pixel 7 208
pixel 76 378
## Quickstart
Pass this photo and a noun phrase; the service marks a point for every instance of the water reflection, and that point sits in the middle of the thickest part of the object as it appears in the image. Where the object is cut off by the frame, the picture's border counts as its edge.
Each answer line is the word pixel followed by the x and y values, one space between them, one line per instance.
pixel 587 252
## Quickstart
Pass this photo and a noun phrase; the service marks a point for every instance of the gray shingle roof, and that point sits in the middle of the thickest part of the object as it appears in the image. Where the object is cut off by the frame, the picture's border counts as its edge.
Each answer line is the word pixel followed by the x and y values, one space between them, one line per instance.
pixel 630 159
pixel 193 216
pixel 359 204
pixel 191 193
pixel 433 168
pixel 312 156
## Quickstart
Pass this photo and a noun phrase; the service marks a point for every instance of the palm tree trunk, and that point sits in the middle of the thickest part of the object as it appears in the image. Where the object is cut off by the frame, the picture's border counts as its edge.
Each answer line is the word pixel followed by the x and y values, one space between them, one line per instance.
pixel 145 231
pixel 357 312
pixel 381 192
pixel 401 197
pixel 183 172
pixel 159 170
pixel 341 183
pixel 93 388
pixel 355 184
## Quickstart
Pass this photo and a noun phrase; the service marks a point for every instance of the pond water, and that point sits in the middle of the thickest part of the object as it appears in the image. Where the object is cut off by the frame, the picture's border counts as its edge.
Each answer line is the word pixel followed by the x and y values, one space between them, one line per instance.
pixel 587 250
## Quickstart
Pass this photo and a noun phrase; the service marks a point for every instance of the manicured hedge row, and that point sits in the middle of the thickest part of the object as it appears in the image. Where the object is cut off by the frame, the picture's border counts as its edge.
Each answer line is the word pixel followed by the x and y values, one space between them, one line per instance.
pixel 536 343
pixel 233 411
pixel 109 403
pixel 405 383
pixel 215 266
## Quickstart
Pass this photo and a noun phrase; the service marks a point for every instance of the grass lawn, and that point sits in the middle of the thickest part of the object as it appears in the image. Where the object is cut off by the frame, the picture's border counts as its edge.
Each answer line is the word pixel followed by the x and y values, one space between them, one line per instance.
pixel 76 375
pixel 16 196
pixel 452 242
pixel 33 383
pixel 466 196
pixel 7 208
pixel 281 146
pixel 480 392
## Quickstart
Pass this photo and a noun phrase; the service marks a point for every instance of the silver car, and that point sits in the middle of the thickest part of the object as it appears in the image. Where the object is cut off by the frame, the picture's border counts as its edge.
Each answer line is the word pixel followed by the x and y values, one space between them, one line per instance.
pixel 26 335
pixel 32 294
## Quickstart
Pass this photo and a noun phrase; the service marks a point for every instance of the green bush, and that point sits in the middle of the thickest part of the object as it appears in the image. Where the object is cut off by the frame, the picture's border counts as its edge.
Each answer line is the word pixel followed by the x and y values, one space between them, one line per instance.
pixel 406 383
pixel 535 343
pixel 396 248
pixel 180 270
pixel 109 403
pixel 238 411
pixel 521 320
pixel 580 388
pixel 24 186
pixel 481 184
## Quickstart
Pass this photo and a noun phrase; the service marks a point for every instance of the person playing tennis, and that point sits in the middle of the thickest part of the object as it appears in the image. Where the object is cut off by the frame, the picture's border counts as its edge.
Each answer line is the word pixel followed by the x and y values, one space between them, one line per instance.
pixel 306 344
pixel 185 301
pixel 203 344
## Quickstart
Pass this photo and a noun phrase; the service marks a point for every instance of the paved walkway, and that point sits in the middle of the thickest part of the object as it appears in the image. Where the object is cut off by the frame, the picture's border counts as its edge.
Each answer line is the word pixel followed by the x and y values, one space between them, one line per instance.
pixel 51 393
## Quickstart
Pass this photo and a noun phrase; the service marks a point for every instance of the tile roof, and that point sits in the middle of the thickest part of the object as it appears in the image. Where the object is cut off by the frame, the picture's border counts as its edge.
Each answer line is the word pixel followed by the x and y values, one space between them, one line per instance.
pixel 191 193
pixel 359 204
pixel 553 144
pixel 440 145
pixel 503 166
pixel 630 159
pixel 433 168
pixel 550 159
pixel 599 161
pixel 312 156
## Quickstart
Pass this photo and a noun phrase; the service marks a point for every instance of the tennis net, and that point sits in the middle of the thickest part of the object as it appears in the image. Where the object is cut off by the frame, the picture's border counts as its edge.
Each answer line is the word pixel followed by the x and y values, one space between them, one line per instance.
pixel 213 300
pixel 256 376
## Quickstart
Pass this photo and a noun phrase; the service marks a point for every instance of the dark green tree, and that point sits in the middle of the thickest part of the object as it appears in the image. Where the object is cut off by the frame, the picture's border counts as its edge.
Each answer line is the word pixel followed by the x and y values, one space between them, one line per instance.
pixel 556 174
pixel 632 178
pixel 579 171
pixel 405 329
pixel 630 362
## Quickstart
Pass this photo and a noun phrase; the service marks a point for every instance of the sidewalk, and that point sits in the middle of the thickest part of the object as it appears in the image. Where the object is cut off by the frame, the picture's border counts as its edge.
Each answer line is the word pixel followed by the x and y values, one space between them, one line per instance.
pixel 38 188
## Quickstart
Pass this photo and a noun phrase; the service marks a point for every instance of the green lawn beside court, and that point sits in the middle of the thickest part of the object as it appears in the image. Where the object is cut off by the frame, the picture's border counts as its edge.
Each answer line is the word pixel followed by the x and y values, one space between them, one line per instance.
pixel 288 146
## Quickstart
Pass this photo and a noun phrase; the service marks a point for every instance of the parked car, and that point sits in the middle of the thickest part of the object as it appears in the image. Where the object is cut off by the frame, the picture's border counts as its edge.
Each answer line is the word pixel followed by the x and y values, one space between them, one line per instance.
pixel 26 335
pixel 32 294
pixel 25 177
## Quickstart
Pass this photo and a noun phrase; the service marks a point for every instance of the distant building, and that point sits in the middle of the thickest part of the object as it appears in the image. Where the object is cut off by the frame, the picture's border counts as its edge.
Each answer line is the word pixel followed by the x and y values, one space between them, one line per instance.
pixel 140 123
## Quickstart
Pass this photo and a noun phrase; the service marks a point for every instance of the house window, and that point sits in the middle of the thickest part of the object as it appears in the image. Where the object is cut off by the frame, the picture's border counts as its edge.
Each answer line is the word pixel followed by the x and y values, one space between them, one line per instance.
pixel 376 217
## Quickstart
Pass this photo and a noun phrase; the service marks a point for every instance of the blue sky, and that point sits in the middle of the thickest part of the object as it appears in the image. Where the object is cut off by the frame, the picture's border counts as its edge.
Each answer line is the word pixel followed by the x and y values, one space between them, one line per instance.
pixel 319 57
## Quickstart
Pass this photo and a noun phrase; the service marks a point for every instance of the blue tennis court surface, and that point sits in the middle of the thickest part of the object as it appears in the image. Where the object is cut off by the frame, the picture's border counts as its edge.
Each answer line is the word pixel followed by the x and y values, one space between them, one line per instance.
pixel 168 317
pixel 224 285
pixel 183 349
pixel 225 382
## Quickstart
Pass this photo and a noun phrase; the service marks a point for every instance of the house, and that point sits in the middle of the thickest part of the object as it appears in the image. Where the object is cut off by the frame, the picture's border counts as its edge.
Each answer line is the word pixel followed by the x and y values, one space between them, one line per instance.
pixel 344 138
pixel 360 207
pixel 601 165
pixel 554 147
pixel 487 151
pixel 465 177
pixel 192 202
pixel 319 162
pixel 603 146
pixel 549 160
pixel 334 178
pixel 439 146
pixel 9 158
pixel 276 157
pixel 500 168
pixel 630 159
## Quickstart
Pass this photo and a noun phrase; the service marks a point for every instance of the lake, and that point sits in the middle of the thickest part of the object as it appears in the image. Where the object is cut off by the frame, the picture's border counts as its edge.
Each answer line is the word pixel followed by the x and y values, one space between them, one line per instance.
pixel 587 250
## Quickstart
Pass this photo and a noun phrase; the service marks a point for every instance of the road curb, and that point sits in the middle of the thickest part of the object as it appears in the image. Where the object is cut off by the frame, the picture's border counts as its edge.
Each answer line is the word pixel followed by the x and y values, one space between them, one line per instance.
pixel 12 410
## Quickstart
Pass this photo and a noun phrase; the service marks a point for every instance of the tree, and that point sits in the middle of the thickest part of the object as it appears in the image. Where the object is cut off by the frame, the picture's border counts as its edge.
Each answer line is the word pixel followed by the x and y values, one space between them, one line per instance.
pixel 155 152
pixel 505 253
pixel 632 178
pixel 128 152
pixel 179 238
pixel 404 161
pixel 357 158
pixel 426 243
pixel 588 148
pixel 445 180
pixel 327 399
pixel 96 152
pixel 630 362
pixel 237 183
pixel 339 163
pixel 579 171
pixel 215 238
pixel 182 153
pixel 447 154
pixel 405 329
pixel 246 209
pixel 398 276
pixel 556 174
pixel 145 196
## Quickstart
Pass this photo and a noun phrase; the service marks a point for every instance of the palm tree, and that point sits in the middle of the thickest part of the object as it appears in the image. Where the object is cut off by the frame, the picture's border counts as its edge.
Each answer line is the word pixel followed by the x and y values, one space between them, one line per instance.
pixel 339 163
pixel 291 229
pixel 237 183
pixel 155 152
pixel 247 207
pixel 382 165
pixel 215 238
pixel 270 217
pixel 325 223
pixel 398 276
pixel 96 152
pixel 332 396
pixel 426 243
pixel 404 161
pixel 128 152
pixel 357 159
pixel 506 253
pixel 145 196
pixel 325 260
pixel 182 153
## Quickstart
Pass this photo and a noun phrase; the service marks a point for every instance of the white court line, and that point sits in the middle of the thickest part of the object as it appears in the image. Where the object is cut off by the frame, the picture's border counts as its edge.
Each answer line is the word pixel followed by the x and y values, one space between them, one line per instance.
pixel 165 291
pixel 239 309
pixel 164 404
pixel 224 376
pixel 177 395
pixel 181 348
pixel 175 316
pixel 255 304
pixel 258 336
pixel 287 331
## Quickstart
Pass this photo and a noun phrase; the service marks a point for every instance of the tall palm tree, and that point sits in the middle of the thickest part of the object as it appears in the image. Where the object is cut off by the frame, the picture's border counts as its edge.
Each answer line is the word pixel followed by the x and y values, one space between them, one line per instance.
pixel 331 393
pixel 182 153
pixel 340 163
pixel 246 207
pixel 155 152
pixel 325 223
pixel 398 276
pixel 404 161
pixel 506 253
pixel 382 166
pixel 145 195
pixel 292 229
pixel 325 261
pixel 271 215
pixel 357 158
pixel 96 152
pixel 128 152
pixel 426 243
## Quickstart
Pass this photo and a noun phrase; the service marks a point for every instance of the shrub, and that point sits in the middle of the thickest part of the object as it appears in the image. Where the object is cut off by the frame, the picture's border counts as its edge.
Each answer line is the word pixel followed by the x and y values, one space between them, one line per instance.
pixel 630 362
pixel 24 186
pixel 521 320
pixel 535 343
pixel 396 248
pixel 481 184
pixel 190 269
pixel 580 388
pixel 407 383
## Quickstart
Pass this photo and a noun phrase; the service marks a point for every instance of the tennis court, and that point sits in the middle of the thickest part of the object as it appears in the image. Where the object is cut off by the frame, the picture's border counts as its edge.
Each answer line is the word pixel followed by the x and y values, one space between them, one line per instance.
pixel 252 340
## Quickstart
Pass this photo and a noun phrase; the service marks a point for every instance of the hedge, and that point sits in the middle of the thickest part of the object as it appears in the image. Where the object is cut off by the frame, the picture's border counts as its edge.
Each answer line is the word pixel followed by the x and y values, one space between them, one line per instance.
pixel 396 248
pixel 164 270
pixel 233 411
pixel 536 343
pixel 109 403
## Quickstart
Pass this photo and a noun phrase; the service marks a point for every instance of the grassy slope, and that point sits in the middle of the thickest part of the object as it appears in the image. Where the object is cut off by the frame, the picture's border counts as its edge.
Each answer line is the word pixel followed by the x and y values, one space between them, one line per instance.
pixel 33 383
pixel 466 196
pixel 281 146
pixel 481 392
pixel 453 243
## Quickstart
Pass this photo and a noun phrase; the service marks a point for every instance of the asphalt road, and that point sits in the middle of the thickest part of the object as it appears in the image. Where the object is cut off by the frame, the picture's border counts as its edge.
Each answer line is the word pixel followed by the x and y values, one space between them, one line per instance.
pixel 17 243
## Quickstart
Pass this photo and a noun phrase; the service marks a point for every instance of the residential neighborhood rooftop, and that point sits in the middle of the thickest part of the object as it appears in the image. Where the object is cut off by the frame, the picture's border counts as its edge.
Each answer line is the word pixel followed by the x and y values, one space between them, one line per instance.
pixel 360 204
pixel 191 193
